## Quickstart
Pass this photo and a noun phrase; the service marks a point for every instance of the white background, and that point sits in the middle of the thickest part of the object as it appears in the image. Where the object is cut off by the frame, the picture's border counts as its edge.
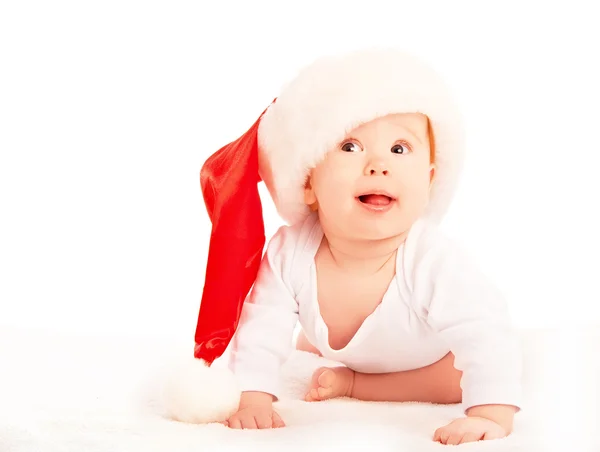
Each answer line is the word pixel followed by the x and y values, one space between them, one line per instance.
pixel 109 109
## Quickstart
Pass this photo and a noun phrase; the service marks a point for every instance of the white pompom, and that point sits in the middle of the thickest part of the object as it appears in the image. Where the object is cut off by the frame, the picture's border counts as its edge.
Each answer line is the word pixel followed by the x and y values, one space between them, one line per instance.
pixel 198 394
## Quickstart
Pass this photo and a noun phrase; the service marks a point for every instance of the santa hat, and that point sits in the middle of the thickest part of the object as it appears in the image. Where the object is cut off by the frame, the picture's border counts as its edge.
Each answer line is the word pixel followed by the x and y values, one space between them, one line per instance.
pixel 312 114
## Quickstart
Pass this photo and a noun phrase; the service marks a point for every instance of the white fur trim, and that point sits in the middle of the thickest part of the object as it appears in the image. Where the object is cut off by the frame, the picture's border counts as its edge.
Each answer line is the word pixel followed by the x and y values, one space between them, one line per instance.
pixel 198 394
pixel 336 94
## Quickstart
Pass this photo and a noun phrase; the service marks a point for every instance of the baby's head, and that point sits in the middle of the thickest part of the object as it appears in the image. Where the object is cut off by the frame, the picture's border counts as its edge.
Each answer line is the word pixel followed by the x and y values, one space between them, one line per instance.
pixel 358 124
pixel 375 183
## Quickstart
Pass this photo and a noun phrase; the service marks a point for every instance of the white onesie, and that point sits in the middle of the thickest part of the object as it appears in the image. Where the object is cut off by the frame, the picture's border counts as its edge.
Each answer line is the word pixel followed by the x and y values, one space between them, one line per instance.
pixel 437 302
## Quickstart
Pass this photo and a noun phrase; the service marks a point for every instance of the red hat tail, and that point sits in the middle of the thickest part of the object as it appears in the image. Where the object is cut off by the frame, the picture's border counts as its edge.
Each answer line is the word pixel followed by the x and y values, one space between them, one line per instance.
pixel 229 181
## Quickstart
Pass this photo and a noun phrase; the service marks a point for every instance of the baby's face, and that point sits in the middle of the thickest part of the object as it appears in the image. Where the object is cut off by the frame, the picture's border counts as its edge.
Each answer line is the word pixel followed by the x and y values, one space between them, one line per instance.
pixel 376 182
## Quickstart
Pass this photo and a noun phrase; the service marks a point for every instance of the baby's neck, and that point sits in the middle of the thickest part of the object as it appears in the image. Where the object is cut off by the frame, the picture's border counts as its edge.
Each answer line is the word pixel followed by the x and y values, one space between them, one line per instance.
pixel 362 256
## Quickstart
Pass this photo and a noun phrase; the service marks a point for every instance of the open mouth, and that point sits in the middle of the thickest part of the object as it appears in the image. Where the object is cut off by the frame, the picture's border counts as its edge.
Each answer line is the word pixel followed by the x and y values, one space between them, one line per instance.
pixel 376 199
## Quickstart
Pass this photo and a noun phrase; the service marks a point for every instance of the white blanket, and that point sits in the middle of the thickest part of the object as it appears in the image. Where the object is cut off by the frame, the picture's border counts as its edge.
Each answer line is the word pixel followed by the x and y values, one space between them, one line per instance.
pixel 63 393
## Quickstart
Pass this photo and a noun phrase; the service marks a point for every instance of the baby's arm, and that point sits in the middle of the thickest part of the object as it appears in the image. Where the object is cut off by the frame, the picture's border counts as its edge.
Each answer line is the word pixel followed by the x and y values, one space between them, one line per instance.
pixel 472 317
pixel 263 340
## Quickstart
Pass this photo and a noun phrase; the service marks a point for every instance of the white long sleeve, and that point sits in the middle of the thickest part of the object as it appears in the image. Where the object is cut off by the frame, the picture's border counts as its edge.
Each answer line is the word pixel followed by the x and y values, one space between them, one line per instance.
pixel 263 340
pixel 471 315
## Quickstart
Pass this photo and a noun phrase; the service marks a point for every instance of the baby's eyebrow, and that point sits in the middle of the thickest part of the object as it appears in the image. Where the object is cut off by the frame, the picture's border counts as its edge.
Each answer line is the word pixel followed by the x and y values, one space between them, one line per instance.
pixel 352 137
pixel 412 133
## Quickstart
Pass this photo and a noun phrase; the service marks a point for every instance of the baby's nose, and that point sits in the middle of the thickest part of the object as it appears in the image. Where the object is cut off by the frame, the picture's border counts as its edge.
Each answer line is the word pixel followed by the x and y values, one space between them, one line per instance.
pixel 377 168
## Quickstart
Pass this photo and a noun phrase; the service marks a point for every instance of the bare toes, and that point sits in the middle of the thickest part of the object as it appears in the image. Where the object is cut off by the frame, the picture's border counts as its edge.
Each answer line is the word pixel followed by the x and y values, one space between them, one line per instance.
pixel 325 393
pixel 321 385
pixel 327 379
pixel 314 394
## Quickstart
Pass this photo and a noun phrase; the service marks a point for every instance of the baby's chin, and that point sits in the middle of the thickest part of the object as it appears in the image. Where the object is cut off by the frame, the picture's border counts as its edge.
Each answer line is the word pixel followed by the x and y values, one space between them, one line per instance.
pixel 380 233
pixel 377 229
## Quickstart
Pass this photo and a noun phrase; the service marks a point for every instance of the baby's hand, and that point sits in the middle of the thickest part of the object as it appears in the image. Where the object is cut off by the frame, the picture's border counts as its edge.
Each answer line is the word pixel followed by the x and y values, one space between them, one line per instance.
pixel 255 417
pixel 467 430
pixel 255 411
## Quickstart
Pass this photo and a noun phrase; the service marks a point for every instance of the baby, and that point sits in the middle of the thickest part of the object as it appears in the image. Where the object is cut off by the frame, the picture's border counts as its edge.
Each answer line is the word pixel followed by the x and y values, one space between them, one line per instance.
pixel 381 291
pixel 360 155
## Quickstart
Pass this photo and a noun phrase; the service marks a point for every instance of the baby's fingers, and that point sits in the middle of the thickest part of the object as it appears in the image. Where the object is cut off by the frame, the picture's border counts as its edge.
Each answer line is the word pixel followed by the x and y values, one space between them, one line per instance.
pixel 441 435
pixel 246 420
pixel 277 421
pixel 471 437
pixel 455 439
pixel 234 422
pixel 263 420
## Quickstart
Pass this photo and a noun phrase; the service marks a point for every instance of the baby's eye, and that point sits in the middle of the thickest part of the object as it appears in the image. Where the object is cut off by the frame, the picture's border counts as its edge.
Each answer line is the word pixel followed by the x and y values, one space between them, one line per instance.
pixel 400 149
pixel 351 146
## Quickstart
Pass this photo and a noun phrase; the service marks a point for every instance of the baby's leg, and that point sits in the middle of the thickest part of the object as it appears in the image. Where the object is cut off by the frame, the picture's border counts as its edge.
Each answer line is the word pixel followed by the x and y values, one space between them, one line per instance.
pixel 436 383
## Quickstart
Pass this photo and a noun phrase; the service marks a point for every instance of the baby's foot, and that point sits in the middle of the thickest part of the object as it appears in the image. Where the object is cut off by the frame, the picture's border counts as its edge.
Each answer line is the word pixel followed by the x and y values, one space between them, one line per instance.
pixel 330 382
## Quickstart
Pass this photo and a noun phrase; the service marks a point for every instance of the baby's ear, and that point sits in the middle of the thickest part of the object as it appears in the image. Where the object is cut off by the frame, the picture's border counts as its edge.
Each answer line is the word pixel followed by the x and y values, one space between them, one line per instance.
pixel 309 194
pixel 431 174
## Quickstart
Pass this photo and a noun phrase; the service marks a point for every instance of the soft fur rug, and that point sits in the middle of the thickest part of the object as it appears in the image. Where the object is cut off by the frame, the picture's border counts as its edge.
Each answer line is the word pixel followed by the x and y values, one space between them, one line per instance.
pixel 62 393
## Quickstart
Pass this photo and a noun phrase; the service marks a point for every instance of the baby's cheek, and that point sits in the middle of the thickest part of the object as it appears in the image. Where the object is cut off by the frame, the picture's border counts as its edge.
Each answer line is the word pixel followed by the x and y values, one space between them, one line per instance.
pixel 414 199
pixel 337 185
pixel 416 184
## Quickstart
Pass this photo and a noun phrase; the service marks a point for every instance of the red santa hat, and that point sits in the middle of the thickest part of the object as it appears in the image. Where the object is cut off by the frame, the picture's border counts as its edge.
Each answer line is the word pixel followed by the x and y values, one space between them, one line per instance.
pixel 313 113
